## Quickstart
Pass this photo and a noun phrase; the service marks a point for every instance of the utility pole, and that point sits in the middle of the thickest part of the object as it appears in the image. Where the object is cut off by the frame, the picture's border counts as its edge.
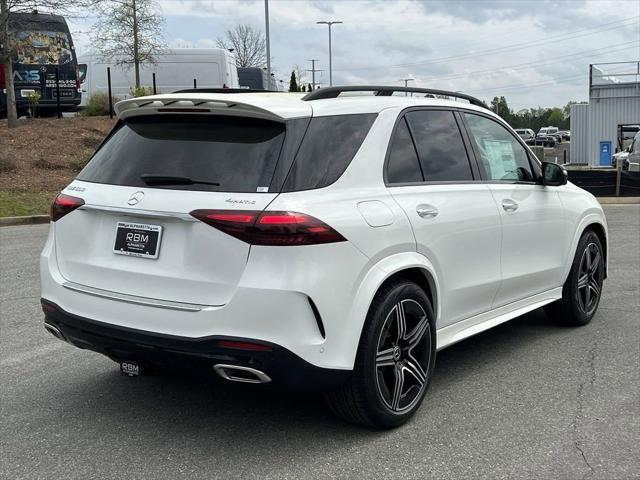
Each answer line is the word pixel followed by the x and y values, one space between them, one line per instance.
pixel 136 43
pixel 266 29
pixel 329 23
pixel 313 72
pixel 406 83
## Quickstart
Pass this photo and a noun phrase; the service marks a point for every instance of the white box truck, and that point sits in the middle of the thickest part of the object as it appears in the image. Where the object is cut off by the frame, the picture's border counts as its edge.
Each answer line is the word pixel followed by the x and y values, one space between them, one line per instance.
pixel 175 69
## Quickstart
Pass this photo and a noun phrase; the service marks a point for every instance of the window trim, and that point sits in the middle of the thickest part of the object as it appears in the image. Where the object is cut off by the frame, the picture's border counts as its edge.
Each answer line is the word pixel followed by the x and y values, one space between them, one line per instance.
pixel 465 140
pixel 533 161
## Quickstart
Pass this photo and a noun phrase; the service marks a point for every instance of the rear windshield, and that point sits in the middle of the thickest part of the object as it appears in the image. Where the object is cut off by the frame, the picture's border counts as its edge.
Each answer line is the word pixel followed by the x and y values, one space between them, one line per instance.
pixel 206 153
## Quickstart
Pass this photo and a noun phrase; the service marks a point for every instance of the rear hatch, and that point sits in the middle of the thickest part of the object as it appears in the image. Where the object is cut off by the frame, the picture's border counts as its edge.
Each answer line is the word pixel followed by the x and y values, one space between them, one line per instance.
pixel 134 233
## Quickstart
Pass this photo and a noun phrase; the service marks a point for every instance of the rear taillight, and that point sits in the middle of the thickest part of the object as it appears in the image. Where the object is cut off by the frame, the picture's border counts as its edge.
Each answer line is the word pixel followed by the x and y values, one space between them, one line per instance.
pixel 64 204
pixel 78 88
pixel 270 228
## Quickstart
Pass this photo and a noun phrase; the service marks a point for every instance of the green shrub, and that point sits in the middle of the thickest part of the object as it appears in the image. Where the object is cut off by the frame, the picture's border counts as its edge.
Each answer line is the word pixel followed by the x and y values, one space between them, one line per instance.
pixel 34 98
pixel 98 105
pixel 141 91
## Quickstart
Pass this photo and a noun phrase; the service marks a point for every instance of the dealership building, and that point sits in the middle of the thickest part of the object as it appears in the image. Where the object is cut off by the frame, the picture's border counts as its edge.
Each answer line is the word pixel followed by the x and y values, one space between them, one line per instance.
pixel 598 128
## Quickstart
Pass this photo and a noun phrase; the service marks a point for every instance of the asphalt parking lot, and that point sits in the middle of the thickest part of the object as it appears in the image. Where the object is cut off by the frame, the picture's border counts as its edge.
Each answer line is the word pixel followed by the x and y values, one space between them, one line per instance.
pixel 528 399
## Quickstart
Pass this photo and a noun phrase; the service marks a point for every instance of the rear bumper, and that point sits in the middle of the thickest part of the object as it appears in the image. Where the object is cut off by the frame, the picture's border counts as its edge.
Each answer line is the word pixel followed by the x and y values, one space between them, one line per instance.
pixel 190 354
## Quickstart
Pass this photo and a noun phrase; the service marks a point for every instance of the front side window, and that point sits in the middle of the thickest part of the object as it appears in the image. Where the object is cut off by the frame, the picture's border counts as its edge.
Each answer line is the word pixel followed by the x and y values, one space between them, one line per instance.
pixel 501 156
pixel 441 150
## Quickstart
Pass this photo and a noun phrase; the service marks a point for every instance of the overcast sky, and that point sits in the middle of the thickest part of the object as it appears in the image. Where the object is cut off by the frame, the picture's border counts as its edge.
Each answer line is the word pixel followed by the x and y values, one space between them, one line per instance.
pixel 535 53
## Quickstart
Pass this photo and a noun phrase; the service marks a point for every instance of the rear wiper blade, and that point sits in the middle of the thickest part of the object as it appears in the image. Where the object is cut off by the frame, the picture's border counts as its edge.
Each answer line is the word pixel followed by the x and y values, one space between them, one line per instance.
pixel 151 179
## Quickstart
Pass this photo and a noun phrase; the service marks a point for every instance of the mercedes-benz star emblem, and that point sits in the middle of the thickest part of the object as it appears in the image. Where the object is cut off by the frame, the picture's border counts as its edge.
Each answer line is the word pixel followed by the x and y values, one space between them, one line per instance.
pixel 136 198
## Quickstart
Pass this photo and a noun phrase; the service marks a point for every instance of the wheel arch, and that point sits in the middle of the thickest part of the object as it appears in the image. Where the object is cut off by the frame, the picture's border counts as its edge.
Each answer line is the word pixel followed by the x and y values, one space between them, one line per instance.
pixel 410 266
pixel 596 223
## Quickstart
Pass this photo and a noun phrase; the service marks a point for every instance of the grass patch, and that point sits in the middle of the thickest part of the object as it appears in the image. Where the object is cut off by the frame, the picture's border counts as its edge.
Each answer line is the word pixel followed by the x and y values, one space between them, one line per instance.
pixel 18 204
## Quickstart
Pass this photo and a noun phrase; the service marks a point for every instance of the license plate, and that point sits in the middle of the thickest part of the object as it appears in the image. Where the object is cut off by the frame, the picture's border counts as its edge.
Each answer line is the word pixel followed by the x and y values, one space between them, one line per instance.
pixel 137 240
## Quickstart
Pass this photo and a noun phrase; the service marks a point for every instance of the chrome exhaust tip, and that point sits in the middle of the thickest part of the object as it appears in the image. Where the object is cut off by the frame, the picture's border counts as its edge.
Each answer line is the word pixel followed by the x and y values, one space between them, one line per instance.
pixel 236 373
pixel 55 331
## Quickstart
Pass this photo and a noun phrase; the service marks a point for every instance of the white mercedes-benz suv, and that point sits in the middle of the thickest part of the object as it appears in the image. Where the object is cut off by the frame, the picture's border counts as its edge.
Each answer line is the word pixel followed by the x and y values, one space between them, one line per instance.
pixel 335 241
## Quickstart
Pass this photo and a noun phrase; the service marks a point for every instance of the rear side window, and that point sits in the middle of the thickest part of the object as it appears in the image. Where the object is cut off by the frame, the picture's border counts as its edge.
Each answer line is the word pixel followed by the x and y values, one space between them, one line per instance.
pixel 228 154
pixel 403 166
pixel 327 150
pixel 442 153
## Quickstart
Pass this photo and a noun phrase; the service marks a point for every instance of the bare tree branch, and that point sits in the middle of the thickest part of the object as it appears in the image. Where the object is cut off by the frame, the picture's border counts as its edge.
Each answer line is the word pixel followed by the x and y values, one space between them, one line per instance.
pixel 248 46
pixel 129 32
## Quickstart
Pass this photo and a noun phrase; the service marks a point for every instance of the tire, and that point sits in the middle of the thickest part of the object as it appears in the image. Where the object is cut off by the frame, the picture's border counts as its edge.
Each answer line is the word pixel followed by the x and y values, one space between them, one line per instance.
pixel 388 359
pixel 582 291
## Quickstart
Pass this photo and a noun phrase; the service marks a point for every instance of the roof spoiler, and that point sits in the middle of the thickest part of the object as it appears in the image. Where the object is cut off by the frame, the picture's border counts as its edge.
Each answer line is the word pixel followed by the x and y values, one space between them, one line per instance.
pixel 185 103
pixel 385 91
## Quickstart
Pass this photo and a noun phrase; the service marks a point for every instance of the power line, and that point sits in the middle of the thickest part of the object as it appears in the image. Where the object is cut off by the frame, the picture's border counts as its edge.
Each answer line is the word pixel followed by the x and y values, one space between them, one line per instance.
pixel 519 86
pixel 526 65
pixel 534 43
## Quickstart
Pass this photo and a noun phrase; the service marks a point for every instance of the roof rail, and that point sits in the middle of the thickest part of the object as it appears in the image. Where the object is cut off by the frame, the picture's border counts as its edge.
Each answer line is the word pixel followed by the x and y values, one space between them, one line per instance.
pixel 385 91
pixel 223 90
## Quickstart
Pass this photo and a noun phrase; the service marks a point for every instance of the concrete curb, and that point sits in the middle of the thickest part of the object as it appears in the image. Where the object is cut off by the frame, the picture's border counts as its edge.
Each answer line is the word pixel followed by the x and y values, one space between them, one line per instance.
pixel 29 220
pixel 619 200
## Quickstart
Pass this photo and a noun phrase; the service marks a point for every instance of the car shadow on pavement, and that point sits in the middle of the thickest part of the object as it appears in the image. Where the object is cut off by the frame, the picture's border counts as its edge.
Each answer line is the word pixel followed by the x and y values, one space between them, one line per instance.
pixel 212 406
pixel 221 423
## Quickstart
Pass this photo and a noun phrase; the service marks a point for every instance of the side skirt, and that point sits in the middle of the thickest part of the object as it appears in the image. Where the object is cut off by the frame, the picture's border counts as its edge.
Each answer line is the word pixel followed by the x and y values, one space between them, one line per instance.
pixel 451 334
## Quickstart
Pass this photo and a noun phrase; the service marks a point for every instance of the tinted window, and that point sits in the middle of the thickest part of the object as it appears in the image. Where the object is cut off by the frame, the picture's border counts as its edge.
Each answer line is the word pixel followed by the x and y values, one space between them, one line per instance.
pixel 403 166
pixel 440 147
pixel 239 154
pixel 502 157
pixel 327 150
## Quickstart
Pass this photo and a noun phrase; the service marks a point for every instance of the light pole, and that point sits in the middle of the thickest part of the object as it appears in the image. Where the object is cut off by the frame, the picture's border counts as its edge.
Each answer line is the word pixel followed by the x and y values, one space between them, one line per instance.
pixel 266 31
pixel 406 82
pixel 329 23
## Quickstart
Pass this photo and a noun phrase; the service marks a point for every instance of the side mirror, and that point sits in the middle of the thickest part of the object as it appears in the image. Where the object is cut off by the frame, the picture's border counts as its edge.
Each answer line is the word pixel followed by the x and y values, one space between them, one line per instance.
pixel 553 175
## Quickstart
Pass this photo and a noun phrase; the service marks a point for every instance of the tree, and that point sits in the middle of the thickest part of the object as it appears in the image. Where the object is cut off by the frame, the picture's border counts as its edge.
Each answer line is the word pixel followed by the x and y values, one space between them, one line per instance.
pixel 501 107
pixel 309 88
pixel 556 117
pixel 248 44
pixel 566 110
pixel 293 84
pixel 7 38
pixel 129 32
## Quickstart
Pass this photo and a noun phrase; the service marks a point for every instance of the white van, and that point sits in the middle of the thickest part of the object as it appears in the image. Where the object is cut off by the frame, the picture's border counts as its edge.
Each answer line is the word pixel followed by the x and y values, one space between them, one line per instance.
pixel 175 69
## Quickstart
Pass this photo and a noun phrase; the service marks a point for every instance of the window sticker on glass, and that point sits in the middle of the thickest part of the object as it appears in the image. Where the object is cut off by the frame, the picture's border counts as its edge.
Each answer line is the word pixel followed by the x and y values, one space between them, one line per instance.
pixel 262 189
pixel 501 158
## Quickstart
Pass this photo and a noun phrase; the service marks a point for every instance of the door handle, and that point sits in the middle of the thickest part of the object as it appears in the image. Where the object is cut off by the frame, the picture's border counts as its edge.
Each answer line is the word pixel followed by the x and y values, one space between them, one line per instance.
pixel 427 211
pixel 509 205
